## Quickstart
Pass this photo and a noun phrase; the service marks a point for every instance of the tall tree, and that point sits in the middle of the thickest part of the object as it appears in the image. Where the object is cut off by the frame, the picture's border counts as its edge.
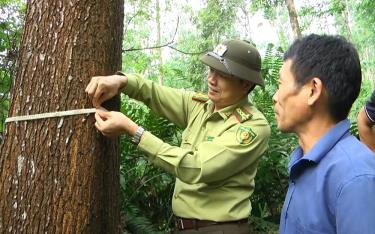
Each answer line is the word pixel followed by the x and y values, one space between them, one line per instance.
pixel 271 12
pixel 293 18
pixel 340 10
pixel 59 175
pixel 158 42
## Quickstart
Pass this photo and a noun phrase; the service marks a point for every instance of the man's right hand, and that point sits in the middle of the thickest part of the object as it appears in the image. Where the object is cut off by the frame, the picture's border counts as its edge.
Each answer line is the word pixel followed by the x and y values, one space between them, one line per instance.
pixel 102 88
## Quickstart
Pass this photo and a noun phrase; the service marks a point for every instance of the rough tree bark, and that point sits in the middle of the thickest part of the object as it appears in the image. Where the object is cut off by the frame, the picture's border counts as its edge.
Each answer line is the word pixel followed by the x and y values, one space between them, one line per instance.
pixel 59 175
pixel 293 18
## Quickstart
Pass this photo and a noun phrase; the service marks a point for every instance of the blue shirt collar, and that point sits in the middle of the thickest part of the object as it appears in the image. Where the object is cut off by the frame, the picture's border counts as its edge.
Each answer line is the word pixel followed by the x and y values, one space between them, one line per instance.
pixel 321 148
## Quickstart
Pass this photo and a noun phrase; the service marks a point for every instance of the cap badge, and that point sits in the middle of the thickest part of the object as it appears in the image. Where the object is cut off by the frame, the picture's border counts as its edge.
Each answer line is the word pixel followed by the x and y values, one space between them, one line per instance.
pixel 220 49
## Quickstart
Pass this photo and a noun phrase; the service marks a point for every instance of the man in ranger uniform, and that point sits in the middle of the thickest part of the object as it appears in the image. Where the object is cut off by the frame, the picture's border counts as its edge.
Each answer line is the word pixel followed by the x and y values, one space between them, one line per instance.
pixel 224 137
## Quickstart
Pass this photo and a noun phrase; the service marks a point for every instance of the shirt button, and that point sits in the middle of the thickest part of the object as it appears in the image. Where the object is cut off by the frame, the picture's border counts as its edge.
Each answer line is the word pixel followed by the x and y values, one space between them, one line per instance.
pixel 175 196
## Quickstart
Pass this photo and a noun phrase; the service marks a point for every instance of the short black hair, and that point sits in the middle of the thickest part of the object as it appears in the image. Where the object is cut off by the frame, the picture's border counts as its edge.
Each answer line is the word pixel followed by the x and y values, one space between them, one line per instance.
pixel 335 62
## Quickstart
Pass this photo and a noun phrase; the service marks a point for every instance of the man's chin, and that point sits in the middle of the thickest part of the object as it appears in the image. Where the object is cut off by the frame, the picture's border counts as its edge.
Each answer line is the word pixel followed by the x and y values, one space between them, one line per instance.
pixel 211 95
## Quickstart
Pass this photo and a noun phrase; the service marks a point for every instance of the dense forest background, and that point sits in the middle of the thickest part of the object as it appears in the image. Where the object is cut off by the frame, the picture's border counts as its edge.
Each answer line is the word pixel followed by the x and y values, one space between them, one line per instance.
pixel 163 40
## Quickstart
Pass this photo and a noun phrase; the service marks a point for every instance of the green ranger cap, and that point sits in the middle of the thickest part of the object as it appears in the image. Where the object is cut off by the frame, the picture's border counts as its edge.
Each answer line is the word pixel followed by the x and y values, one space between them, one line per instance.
pixel 237 58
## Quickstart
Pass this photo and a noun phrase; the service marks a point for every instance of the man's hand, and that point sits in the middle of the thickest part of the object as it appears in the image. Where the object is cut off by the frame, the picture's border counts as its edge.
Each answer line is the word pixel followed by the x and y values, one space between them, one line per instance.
pixel 102 88
pixel 112 123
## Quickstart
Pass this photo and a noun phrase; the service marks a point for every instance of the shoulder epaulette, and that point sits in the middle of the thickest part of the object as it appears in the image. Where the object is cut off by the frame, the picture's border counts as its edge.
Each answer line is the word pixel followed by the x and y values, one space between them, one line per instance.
pixel 242 114
pixel 200 97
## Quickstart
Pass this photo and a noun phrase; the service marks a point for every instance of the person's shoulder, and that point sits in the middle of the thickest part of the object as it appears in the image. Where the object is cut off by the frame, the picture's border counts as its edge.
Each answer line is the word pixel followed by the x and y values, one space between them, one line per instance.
pixel 249 117
pixel 347 160
pixel 257 117
pixel 353 157
pixel 199 97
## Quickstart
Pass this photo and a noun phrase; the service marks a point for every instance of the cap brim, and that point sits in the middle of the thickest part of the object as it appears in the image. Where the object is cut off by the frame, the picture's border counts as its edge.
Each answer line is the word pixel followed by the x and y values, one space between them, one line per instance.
pixel 237 70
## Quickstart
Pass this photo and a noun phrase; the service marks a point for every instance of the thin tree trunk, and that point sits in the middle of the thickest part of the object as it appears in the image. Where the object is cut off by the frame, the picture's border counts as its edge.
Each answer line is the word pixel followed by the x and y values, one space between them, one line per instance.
pixel 59 175
pixel 158 42
pixel 293 18
pixel 345 15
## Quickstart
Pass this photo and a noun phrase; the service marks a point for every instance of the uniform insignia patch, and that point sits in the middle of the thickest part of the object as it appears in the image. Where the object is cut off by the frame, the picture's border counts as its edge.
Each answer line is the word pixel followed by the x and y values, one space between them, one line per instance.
pixel 245 135
pixel 200 97
pixel 242 114
pixel 220 49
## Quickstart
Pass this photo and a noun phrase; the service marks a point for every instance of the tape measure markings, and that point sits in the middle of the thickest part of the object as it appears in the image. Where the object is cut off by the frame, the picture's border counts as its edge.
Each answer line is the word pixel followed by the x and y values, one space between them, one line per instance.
pixel 50 115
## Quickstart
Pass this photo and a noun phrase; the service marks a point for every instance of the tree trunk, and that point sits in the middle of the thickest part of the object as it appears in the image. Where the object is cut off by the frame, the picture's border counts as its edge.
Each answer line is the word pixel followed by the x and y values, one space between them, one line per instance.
pixel 59 175
pixel 293 18
pixel 158 42
pixel 345 15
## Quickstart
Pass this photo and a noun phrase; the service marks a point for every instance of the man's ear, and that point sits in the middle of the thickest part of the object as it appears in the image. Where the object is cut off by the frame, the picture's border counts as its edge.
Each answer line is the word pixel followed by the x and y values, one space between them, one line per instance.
pixel 315 89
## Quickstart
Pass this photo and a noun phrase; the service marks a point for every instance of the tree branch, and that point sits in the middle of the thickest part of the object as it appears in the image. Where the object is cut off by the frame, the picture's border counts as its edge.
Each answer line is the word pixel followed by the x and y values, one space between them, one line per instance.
pixel 184 52
pixel 129 21
pixel 157 46
pixel 168 44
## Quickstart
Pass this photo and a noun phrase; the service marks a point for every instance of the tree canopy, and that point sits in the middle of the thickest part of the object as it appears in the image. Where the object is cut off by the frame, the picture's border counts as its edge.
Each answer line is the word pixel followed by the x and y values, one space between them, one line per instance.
pixel 165 38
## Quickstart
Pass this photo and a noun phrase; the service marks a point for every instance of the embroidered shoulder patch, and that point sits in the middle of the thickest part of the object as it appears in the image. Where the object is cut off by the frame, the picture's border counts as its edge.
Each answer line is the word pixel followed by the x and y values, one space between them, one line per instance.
pixel 200 97
pixel 242 114
pixel 245 135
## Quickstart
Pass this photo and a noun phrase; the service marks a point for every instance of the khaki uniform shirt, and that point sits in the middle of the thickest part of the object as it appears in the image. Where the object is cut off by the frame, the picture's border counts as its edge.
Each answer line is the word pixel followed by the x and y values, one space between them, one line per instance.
pixel 216 163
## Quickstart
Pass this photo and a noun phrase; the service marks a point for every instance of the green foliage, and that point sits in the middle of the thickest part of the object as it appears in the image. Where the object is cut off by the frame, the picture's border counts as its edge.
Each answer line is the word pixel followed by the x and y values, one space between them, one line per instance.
pixel 366 91
pixel 135 222
pixel 272 177
pixel 268 6
pixel 261 226
pixel 146 190
pixel 11 13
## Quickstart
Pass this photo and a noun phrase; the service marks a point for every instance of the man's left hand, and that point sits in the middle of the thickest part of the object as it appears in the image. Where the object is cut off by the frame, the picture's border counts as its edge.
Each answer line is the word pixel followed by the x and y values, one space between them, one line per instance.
pixel 113 123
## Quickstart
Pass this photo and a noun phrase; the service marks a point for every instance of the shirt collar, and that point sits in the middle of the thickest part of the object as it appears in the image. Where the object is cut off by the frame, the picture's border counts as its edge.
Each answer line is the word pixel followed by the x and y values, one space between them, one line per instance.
pixel 226 112
pixel 322 147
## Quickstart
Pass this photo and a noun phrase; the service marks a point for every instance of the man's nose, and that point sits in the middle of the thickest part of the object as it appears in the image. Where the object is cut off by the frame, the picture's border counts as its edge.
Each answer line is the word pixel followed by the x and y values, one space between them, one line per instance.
pixel 274 97
pixel 212 77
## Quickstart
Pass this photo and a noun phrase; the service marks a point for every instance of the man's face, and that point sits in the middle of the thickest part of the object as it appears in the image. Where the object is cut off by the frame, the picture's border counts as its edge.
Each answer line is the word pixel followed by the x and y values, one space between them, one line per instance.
pixel 225 90
pixel 289 101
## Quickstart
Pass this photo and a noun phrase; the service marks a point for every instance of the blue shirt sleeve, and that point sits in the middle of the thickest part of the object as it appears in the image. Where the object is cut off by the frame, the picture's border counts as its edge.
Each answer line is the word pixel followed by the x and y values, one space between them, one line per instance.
pixel 355 209
pixel 370 108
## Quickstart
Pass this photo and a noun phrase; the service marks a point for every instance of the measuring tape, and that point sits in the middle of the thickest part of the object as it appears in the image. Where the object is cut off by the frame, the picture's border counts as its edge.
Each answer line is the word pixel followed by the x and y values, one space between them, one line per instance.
pixel 50 115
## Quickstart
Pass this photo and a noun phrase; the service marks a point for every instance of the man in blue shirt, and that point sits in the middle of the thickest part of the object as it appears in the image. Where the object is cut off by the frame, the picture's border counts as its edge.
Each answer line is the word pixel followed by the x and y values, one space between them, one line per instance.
pixel 332 174
pixel 366 122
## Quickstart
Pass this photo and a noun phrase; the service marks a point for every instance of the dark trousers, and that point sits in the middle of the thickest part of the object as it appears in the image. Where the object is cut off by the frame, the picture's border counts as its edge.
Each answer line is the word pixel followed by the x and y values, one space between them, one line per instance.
pixel 231 228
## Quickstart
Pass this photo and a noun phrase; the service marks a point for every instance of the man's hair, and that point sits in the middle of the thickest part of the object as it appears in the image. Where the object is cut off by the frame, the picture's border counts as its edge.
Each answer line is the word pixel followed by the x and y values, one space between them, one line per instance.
pixel 335 62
